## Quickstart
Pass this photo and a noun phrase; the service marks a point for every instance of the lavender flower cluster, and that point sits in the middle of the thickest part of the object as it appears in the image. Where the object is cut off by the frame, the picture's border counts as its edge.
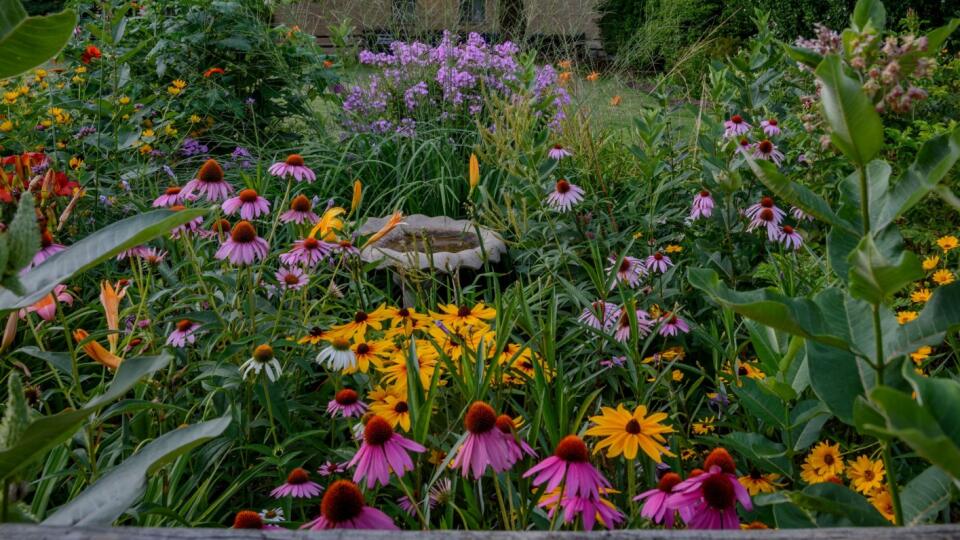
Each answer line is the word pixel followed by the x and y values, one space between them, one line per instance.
pixel 417 82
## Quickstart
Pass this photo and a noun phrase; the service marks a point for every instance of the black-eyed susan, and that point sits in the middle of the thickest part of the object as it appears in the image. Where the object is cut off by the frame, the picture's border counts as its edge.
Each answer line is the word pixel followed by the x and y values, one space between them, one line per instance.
pixel 705 426
pixel 361 323
pixel 395 370
pixel 943 277
pixel 866 475
pixel 391 405
pixel 931 262
pixel 455 317
pixel 314 336
pixel 624 432
pixel 406 319
pixel 520 364
pixel 366 352
pixel 826 459
pixel 883 502
pixel 757 482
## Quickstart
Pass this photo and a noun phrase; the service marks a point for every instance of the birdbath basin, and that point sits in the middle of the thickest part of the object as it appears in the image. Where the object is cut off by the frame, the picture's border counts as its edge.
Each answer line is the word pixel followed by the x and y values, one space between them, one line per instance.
pixel 437 243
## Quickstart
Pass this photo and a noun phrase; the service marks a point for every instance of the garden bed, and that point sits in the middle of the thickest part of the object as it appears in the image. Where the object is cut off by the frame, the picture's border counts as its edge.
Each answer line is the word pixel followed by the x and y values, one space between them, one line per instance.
pixel 933 532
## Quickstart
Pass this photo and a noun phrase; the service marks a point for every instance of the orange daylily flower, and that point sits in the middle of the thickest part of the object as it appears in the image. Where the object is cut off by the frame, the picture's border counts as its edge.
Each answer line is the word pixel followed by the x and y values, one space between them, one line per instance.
pixel 110 297
pixel 357 195
pixel 96 351
pixel 387 227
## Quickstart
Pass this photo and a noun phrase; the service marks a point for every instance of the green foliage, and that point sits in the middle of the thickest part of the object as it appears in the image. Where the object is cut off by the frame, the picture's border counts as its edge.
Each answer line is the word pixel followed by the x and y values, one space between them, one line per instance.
pixel 15 413
pixel 18 245
pixel 28 41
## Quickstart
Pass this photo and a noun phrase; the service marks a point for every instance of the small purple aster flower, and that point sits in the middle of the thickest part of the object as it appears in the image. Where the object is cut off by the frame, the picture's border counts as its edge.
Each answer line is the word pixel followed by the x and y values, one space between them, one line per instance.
pixel 293 167
pixel 243 246
pixel 250 204
pixel 564 196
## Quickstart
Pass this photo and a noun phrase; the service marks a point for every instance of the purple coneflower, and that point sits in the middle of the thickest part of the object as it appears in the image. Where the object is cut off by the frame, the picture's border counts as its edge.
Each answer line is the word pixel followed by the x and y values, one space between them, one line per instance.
pixel 589 509
pixel 308 252
pixel 292 278
pixel 656 509
pixel 183 333
pixel 659 262
pixel 250 204
pixel 136 251
pixel 343 507
pixel 517 446
pixel 600 315
pixel 702 205
pixel 209 182
pixel 735 126
pixel 330 468
pixel 298 486
pixel 47 248
pixel 152 256
pixel 767 150
pixel 629 272
pixel 243 246
pixel 564 196
pixel 744 146
pixel 770 127
pixel 799 214
pixel 484 445
pixel 558 152
pixel 173 196
pixel 765 213
pixel 345 249
pixel 709 500
pixel 347 404
pixel 671 325
pixel 293 166
pixel 188 227
pixel 790 237
pixel 644 324
pixel 569 466
pixel 382 450
pixel 301 210
pixel 248 519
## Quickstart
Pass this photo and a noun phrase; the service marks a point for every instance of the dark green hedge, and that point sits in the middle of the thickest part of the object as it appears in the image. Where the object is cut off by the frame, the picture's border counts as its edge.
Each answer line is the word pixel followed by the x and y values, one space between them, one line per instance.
pixel 42 7
pixel 683 22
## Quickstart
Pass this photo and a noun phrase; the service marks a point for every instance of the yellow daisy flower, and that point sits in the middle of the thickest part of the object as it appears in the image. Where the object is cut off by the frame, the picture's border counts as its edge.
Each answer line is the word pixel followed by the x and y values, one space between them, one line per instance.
pixel 825 457
pixel 624 432
pixel 757 482
pixel 931 262
pixel 366 352
pixel 676 375
pixel 704 426
pixel 882 501
pixel 392 406
pixel 943 277
pixel 903 317
pixel 866 475
pixel 673 248
pixel 455 317
pixel 921 295
pixel 921 354
pixel 362 321
pixel 947 243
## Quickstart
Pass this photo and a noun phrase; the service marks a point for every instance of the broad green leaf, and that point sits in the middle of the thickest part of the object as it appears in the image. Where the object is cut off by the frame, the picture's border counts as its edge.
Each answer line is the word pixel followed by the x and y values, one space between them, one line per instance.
pixel 925 496
pixel 93 250
pixel 835 379
pixel 761 404
pixel 806 57
pixel 762 451
pixel 875 276
pixel 26 42
pixel 935 158
pixel 15 412
pixel 60 361
pixel 856 127
pixel 48 431
pixel 110 496
pixel 866 418
pixel 939 315
pixel 796 194
pixel 917 427
pixel 869 13
pixel 800 317
pixel 837 506
pixel 940 396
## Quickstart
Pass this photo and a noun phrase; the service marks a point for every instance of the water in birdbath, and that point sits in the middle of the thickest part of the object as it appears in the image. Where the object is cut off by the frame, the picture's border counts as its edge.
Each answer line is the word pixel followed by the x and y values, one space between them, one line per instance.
pixel 427 241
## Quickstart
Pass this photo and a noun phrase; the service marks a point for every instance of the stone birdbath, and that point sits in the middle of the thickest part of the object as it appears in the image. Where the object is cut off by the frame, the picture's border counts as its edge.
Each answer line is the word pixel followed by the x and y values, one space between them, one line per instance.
pixel 432 244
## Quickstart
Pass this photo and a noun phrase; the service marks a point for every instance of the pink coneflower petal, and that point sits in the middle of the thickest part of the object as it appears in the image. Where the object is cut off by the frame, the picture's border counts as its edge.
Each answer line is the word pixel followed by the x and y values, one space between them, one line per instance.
pixel 735 126
pixel 564 196
pixel 293 167
pixel 702 205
